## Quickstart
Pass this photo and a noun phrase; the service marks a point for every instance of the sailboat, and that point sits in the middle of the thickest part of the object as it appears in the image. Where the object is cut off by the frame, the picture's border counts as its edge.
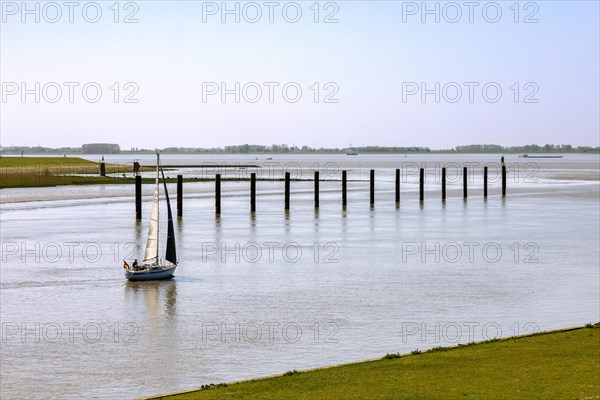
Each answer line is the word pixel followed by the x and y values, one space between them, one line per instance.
pixel 153 267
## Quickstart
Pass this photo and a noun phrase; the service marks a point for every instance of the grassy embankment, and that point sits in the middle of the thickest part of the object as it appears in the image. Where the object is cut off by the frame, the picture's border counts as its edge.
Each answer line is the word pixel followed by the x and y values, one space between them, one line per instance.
pixel 556 365
pixel 54 171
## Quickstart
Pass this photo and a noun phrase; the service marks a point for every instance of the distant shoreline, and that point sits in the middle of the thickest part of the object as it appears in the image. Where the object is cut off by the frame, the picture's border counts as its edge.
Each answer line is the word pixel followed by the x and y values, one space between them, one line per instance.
pixel 34 171
pixel 223 153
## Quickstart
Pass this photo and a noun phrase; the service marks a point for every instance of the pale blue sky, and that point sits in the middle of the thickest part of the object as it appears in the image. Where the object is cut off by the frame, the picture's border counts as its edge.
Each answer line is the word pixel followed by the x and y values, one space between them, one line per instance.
pixel 368 54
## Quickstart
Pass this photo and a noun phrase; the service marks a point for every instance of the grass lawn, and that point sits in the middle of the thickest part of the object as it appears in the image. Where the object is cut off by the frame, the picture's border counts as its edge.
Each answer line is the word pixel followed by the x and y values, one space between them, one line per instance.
pixel 50 171
pixel 556 365
pixel 57 171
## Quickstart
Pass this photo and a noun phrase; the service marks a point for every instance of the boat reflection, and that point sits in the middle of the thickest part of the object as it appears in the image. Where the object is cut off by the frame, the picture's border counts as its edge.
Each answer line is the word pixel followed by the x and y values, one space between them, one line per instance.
pixel 159 297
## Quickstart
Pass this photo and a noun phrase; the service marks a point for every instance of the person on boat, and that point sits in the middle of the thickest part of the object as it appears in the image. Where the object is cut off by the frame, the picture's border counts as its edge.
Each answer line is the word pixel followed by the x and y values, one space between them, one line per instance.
pixel 135 263
pixel 125 265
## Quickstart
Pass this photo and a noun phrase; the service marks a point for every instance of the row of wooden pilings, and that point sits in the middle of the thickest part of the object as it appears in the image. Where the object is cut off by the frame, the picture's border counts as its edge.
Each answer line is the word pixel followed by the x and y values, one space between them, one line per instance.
pixel 138 189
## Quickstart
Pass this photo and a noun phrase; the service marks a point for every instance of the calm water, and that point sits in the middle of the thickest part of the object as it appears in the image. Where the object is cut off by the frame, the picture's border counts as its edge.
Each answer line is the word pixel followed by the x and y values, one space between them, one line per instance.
pixel 264 295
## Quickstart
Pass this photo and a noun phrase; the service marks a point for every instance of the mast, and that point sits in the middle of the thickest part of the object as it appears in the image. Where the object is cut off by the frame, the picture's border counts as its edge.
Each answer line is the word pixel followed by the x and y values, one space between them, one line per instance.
pixel 157 189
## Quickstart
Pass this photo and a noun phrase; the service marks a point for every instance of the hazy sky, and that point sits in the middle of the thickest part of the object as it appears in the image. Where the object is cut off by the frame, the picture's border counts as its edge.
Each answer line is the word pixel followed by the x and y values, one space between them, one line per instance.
pixel 375 61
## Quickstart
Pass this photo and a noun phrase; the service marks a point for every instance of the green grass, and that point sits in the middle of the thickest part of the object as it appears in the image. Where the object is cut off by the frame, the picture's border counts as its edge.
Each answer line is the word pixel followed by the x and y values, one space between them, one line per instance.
pixel 556 365
pixel 50 171
pixel 34 161
pixel 57 171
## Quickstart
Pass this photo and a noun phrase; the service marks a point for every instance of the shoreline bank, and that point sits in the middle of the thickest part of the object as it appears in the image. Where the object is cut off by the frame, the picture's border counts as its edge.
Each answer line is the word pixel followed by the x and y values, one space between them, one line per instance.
pixel 551 348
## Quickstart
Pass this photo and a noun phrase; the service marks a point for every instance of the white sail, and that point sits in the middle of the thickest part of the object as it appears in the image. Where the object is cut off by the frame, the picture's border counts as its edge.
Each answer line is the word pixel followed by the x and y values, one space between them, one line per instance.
pixel 152 243
pixel 156 269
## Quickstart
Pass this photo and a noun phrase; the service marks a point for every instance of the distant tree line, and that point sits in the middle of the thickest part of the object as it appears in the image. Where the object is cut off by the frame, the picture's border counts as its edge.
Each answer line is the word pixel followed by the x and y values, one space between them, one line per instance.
pixel 110 148
pixel 91 148
pixel 285 149
pixel 100 148
pixel 40 150
pixel 530 148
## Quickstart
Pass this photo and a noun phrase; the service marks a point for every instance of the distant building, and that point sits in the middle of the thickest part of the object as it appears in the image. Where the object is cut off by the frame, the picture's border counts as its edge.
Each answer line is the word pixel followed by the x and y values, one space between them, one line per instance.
pixel 101 148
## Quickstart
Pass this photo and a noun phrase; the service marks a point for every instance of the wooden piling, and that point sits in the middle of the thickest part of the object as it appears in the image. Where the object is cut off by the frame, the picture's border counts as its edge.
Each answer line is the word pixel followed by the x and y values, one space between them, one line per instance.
pixel 102 169
pixel 397 186
pixel 421 184
pixel 287 191
pixel 316 190
pixel 179 195
pixel 465 178
pixel 485 182
pixel 372 187
pixel 138 197
pixel 344 188
pixel 218 194
pixel 503 180
pixel 443 183
pixel 253 192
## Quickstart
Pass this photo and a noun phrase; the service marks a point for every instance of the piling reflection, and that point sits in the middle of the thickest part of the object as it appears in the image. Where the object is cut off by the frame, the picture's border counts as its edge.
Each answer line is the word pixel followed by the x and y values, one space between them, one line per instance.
pixel 138 230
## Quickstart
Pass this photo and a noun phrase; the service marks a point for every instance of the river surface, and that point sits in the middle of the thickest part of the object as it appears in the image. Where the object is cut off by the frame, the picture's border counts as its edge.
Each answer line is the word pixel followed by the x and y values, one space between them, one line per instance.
pixel 260 295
